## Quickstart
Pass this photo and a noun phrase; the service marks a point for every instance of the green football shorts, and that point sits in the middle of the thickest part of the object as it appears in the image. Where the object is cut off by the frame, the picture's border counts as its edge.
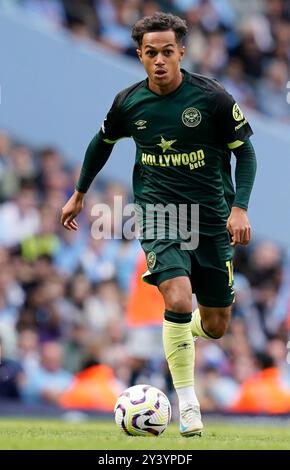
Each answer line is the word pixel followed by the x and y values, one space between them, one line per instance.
pixel 209 267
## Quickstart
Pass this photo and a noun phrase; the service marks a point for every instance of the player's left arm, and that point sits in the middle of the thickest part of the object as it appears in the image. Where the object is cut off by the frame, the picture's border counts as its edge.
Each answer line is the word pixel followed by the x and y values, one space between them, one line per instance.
pixel 238 223
pixel 234 131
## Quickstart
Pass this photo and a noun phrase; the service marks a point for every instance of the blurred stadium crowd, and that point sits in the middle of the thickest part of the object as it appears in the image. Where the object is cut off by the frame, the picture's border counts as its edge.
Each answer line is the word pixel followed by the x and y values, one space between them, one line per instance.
pixel 70 303
pixel 76 325
pixel 244 43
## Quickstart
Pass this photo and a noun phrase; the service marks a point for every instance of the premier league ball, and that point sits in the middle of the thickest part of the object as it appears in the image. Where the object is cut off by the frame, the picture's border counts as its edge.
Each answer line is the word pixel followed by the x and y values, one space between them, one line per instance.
pixel 142 410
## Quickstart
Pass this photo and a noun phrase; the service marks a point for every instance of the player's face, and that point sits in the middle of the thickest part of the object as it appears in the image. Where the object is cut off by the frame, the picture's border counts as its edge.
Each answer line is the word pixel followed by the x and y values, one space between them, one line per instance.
pixel 161 55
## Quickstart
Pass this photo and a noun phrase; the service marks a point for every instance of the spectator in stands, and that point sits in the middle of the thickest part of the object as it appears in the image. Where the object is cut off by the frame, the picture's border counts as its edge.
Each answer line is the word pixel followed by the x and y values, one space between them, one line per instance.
pixel 21 213
pixel 46 382
pixel 27 349
pixel 10 378
pixel 265 391
pixel 272 91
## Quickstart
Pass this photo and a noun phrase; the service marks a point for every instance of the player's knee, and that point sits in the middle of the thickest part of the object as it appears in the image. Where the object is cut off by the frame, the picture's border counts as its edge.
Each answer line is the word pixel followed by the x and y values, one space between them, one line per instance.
pixel 179 305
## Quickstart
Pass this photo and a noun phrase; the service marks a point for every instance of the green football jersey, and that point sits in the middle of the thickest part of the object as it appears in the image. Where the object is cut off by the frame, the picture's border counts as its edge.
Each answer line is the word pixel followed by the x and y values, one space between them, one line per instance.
pixel 183 145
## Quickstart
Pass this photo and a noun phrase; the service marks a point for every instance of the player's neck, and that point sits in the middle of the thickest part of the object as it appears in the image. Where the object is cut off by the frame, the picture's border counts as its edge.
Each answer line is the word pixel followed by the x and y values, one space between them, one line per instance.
pixel 168 88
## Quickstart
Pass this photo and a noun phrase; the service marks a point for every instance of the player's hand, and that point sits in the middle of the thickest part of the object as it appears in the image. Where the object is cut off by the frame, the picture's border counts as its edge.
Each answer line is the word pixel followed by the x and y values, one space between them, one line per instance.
pixel 239 226
pixel 71 209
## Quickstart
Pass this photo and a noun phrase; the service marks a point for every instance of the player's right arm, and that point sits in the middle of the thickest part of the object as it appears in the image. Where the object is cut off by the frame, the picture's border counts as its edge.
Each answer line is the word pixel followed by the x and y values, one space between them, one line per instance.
pixel 71 209
pixel 96 156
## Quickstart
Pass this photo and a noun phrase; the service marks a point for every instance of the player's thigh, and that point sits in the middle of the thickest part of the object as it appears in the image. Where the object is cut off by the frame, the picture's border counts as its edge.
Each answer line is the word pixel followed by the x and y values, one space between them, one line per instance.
pixel 212 272
pixel 165 260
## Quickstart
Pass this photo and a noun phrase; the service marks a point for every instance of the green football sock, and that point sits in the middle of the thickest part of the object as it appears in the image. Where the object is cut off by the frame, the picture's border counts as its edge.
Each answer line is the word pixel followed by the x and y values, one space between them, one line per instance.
pixel 179 348
pixel 196 326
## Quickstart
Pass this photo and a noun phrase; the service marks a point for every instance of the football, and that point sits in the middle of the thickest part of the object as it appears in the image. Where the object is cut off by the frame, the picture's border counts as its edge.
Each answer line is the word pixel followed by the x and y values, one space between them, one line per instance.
pixel 142 410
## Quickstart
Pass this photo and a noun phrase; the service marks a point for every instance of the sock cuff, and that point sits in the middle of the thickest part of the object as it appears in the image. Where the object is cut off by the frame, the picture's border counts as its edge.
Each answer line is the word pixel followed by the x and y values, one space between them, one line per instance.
pixel 175 317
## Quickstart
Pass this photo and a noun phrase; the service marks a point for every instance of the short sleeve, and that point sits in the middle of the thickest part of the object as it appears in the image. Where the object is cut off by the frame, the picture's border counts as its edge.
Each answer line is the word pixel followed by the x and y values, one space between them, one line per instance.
pixel 231 122
pixel 113 127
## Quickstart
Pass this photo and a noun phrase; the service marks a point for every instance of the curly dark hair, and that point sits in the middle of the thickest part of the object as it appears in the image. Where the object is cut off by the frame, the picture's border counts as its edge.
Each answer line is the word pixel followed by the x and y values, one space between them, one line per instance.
pixel 159 22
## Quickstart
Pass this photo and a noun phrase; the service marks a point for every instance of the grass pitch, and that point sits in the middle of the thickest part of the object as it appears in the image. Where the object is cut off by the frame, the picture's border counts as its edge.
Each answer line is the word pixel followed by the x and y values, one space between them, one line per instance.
pixel 96 435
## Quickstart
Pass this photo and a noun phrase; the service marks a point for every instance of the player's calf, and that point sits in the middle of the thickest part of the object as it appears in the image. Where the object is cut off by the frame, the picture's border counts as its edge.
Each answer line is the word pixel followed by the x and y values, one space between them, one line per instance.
pixel 215 321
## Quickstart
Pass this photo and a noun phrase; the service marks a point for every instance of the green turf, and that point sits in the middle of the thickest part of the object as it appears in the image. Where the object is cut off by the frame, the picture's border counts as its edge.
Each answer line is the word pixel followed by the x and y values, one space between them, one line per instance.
pixel 52 434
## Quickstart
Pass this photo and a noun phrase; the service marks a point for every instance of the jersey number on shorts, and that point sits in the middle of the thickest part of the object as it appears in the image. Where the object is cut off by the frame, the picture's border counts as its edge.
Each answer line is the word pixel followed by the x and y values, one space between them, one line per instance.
pixel 229 265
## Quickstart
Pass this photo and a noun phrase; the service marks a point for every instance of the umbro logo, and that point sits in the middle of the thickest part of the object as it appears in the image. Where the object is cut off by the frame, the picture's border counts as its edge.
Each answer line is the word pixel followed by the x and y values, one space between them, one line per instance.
pixel 184 346
pixel 140 124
